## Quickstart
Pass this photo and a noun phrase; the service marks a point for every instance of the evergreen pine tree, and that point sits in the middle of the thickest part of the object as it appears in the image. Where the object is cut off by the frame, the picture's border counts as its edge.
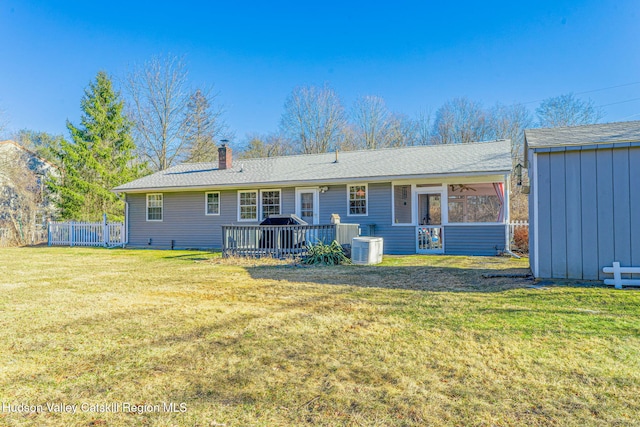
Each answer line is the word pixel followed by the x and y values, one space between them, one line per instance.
pixel 99 157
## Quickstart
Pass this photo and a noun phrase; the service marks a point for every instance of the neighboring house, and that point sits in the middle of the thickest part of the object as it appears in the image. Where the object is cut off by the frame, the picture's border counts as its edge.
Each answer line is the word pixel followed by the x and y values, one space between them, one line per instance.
pixel 584 203
pixel 35 163
pixel 24 207
pixel 453 194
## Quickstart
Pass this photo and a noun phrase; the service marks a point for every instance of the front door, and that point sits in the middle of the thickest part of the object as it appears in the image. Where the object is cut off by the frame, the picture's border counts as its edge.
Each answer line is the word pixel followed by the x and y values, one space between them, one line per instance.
pixel 429 231
pixel 307 205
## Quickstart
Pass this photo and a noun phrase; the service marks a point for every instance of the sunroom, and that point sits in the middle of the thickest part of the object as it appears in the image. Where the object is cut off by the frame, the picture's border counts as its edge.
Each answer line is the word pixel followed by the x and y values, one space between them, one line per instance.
pixel 458 217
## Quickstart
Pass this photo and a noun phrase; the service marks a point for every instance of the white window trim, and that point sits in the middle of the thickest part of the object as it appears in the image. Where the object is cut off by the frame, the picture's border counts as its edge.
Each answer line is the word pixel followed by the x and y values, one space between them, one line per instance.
pixel 412 189
pixel 444 196
pixel 257 205
pixel 161 207
pixel 206 203
pixel 366 198
pixel 316 202
pixel 260 210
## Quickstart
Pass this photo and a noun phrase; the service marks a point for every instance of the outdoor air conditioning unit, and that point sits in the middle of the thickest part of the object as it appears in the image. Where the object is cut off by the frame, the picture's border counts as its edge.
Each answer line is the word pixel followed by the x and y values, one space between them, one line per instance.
pixel 366 250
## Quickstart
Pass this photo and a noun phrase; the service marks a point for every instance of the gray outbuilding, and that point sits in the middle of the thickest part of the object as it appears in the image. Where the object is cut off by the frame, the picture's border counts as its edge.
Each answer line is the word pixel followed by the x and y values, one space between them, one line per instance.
pixel 584 200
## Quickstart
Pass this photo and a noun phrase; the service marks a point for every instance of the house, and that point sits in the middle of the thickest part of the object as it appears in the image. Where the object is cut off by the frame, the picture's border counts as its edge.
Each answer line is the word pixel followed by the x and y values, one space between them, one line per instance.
pixel 450 199
pixel 584 203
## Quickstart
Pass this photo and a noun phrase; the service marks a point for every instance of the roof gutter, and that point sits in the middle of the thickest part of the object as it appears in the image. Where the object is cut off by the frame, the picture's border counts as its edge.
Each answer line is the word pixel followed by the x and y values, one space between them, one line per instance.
pixel 388 178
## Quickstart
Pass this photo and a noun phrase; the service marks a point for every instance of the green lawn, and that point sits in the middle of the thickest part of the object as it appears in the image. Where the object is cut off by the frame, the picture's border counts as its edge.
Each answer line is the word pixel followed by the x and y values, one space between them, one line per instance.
pixel 415 341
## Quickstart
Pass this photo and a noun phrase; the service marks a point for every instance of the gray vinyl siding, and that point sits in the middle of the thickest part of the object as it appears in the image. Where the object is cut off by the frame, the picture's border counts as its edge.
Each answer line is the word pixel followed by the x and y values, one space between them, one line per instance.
pixel 588 211
pixel 397 240
pixel 474 239
pixel 184 221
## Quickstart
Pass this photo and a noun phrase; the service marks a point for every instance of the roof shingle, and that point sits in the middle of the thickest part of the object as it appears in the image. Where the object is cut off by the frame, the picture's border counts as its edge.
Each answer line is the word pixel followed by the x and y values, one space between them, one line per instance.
pixel 421 161
pixel 606 133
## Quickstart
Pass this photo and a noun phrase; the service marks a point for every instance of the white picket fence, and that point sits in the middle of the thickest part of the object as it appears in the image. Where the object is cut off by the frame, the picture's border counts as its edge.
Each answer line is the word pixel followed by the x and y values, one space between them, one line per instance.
pixel 107 234
pixel 515 224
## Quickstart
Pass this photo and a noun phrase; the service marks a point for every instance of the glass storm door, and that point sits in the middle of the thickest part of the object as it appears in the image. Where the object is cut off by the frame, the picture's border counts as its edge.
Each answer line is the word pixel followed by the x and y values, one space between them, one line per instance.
pixel 429 231
pixel 307 205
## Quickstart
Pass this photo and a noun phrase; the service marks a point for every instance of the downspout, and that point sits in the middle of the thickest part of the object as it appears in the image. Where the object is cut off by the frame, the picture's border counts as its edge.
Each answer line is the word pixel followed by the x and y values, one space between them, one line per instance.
pixel 126 219
pixel 536 255
pixel 126 222
pixel 507 216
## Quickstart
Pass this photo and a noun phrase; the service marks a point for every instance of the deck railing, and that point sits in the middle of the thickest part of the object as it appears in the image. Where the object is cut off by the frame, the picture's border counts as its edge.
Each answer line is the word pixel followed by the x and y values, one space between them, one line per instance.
pixel 281 241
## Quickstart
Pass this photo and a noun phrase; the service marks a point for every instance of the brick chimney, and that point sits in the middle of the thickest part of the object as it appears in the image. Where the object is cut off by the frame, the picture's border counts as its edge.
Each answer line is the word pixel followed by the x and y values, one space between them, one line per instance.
pixel 224 156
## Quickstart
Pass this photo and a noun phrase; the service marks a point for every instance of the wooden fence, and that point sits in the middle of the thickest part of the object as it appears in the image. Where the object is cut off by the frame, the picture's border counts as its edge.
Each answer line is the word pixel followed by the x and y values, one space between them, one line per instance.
pixel 282 240
pixel 107 234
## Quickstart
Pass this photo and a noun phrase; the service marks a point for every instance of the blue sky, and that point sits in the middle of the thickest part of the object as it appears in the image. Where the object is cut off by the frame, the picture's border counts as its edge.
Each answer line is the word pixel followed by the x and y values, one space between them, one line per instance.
pixel 416 55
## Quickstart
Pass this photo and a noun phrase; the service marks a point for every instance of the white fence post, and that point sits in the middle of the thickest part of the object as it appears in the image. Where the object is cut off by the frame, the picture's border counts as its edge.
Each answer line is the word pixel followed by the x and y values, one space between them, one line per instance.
pixel 105 231
pixel 618 271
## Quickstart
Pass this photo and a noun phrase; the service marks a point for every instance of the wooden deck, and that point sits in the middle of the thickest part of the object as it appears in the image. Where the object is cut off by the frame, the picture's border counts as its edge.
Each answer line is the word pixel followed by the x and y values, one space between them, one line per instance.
pixel 281 241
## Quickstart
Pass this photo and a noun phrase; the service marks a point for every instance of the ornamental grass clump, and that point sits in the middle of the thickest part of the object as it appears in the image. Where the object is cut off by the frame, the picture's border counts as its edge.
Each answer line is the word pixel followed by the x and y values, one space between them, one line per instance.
pixel 325 254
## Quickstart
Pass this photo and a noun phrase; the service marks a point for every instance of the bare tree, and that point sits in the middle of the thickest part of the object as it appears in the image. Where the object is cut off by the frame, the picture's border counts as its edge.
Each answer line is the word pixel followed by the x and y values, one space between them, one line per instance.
pixel 349 138
pixel 3 122
pixel 313 119
pixel 460 120
pixel 266 146
pixel 373 123
pixel 509 122
pixel 567 110
pixel 159 96
pixel 403 131
pixel 423 127
pixel 203 127
pixel 21 196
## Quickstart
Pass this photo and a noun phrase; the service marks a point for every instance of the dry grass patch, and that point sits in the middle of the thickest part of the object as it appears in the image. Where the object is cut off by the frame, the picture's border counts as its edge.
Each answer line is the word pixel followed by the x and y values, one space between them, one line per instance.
pixel 415 341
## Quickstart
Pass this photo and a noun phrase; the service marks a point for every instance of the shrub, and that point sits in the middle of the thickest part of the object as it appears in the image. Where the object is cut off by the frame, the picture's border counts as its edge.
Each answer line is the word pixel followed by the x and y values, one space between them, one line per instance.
pixel 521 238
pixel 325 254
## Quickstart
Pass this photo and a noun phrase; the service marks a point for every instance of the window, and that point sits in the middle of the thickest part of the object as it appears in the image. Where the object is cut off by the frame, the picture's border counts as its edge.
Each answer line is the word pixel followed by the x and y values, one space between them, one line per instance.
pixel 247 205
pixel 213 203
pixel 154 207
pixel 402 204
pixel 357 199
pixel 270 200
pixel 474 203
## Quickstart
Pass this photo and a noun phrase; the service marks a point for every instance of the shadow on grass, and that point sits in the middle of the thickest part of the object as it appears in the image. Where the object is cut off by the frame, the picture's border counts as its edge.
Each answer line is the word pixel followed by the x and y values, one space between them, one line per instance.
pixel 195 255
pixel 421 278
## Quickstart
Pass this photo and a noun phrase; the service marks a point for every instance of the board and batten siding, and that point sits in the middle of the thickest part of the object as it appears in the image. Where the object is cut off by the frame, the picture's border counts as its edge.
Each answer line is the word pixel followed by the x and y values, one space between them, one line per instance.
pixel 588 212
